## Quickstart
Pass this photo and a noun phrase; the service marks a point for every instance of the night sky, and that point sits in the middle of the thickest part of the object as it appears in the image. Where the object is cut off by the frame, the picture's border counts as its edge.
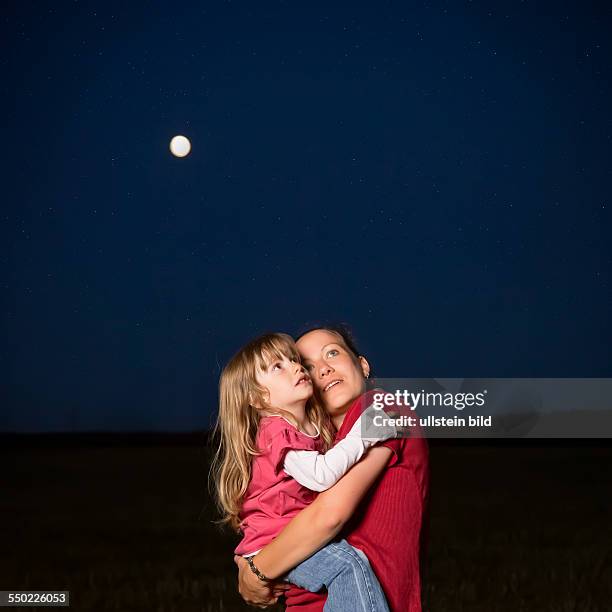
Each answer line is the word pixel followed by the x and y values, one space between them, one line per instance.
pixel 436 175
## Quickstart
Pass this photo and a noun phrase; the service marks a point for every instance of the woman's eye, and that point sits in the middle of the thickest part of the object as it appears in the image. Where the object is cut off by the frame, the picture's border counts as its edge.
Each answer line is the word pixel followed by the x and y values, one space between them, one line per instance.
pixel 332 353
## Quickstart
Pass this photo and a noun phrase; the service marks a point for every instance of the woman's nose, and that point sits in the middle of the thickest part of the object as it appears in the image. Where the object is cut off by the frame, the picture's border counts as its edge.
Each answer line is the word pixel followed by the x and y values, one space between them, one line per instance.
pixel 325 369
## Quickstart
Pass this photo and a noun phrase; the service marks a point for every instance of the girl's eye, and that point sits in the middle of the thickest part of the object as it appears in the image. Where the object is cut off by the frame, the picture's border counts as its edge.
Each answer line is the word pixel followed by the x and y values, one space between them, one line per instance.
pixel 276 365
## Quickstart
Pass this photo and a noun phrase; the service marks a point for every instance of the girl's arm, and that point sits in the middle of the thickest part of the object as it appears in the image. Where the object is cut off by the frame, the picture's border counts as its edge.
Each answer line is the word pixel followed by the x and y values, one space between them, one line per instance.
pixel 314 526
pixel 320 471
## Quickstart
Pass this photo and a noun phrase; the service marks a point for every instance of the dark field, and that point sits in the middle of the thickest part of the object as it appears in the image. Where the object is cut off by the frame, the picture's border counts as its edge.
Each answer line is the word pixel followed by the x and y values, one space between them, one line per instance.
pixel 129 528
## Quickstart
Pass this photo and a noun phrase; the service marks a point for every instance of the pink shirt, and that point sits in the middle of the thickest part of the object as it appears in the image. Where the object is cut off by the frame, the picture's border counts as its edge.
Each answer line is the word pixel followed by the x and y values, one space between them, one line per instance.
pixel 273 497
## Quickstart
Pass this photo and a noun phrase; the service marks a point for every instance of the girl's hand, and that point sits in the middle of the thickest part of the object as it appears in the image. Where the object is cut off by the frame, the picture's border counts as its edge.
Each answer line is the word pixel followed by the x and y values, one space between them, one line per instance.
pixel 254 591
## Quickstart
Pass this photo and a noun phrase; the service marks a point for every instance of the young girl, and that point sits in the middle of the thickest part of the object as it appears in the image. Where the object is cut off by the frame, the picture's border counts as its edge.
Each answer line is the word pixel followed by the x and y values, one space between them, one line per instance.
pixel 271 458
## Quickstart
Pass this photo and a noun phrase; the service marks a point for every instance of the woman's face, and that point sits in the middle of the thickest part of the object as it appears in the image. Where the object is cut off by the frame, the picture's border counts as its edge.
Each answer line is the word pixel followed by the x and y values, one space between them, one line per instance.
pixel 338 376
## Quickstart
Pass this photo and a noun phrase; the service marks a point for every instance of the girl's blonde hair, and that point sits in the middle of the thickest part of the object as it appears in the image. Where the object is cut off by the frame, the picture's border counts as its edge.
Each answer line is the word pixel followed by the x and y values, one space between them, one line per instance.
pixel 241 404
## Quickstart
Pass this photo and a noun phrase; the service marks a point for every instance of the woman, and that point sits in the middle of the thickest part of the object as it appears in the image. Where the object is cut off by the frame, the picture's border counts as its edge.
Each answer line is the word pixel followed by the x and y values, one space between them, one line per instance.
pixel 379 505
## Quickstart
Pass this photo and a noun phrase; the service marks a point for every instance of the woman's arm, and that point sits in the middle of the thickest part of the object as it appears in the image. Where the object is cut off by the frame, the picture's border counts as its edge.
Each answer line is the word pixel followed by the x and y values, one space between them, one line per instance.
pixel 314 526
pixel 317 524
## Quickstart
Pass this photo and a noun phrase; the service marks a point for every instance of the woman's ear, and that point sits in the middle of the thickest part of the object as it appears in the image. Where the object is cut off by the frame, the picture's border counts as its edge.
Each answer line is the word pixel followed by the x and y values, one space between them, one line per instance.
pixel 365 366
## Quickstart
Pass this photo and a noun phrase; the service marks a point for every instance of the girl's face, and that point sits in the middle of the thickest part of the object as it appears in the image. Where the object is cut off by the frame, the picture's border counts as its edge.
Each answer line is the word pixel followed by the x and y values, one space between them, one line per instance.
pixel 338 376
pixel 288 384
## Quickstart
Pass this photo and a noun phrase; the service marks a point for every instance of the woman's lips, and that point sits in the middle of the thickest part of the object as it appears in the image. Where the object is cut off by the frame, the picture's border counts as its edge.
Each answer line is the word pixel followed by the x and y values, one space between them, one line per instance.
pixel 331 385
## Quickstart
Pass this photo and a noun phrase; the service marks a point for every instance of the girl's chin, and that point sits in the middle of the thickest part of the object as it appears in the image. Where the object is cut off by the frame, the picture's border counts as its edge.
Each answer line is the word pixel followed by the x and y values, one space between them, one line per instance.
pixel 305 392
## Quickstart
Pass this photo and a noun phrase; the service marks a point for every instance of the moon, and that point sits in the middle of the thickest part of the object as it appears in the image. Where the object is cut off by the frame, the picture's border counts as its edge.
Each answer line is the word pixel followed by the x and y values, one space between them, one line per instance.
pixel 180 146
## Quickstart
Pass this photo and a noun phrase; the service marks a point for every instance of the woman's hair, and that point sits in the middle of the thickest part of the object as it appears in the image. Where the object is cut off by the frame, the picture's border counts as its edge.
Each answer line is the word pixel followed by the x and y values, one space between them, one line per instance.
pixel 241 403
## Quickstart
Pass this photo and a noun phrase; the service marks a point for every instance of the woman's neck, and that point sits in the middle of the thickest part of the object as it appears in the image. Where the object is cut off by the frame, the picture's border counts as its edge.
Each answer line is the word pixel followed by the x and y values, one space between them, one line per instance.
pixel 338 420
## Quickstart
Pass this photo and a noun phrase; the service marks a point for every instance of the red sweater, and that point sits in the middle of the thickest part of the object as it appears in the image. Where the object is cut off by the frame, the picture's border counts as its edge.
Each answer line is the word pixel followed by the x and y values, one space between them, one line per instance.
pixel 388 524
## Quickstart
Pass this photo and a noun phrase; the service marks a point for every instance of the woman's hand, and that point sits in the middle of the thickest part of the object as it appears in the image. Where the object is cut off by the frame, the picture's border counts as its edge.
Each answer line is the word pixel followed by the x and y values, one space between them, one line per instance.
pixel 253 590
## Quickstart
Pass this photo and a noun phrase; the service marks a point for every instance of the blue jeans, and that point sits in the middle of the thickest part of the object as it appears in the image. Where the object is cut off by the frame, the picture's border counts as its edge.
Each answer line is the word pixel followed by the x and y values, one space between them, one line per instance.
pixel 351 583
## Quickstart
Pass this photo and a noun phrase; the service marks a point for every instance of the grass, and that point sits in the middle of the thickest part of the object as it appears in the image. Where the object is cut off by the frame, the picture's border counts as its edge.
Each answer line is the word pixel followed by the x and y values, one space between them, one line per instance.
pixel 512 528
